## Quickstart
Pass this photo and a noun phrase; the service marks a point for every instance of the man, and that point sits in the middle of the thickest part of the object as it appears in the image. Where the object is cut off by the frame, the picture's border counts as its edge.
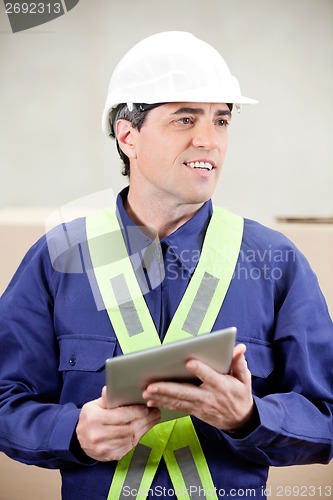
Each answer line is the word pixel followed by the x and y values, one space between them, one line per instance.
pixel 169 104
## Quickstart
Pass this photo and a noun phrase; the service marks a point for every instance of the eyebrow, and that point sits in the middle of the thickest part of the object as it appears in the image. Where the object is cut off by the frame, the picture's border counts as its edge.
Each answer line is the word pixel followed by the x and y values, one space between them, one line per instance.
pixel 200 111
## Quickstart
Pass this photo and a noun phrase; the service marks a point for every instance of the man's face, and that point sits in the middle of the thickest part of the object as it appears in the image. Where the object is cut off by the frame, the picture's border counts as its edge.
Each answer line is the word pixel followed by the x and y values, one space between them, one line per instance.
pixel 179 151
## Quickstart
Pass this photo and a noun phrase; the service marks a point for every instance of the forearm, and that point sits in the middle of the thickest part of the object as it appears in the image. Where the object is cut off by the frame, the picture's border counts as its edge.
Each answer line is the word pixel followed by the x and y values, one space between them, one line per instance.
pixel 38 434
pixel 290 431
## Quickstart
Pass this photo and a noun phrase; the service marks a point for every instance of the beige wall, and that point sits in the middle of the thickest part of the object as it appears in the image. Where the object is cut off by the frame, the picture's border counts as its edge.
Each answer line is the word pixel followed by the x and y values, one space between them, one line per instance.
pixel 54 80
pixel 17 234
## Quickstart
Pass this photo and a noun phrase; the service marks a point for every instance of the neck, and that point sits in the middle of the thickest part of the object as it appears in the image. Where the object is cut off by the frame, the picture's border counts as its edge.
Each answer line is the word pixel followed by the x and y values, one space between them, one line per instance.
pixel 161 217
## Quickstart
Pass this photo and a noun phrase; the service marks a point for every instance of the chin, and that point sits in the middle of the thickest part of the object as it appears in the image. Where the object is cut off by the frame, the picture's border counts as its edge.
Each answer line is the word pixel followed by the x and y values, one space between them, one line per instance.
pixel 200 197
pixel 198 200
pixel 195 197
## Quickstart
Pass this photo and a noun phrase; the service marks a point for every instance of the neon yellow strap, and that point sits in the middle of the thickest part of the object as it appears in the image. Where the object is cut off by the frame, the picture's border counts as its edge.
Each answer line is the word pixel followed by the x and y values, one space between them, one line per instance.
pixel 158 434
pixel 104 223
pixel 218 258
pixel 182 437
pixel 176 441
pixel 172 437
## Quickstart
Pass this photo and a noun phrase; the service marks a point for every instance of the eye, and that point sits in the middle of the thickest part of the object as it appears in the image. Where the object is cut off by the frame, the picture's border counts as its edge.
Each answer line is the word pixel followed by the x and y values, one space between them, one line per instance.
pixel 186 120
pixel 222 122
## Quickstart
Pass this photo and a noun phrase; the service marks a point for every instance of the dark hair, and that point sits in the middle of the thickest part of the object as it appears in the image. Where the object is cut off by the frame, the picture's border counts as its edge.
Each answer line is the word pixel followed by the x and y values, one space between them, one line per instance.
pixel 137 118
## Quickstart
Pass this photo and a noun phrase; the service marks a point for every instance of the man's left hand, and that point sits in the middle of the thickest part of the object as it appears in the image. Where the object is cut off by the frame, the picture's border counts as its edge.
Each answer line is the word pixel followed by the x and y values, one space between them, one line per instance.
pixel 223 401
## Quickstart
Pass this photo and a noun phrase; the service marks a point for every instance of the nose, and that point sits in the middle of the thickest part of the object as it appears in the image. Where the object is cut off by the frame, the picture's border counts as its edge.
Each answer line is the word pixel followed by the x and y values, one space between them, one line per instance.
pixel 205 136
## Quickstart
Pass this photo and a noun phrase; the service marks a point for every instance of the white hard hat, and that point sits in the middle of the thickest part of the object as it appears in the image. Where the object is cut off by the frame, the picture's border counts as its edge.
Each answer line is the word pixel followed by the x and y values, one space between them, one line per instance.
pixel 173 66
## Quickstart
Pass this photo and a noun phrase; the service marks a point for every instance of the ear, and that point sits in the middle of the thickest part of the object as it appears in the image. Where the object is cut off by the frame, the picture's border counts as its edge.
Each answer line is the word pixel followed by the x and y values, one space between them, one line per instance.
pixel 125 137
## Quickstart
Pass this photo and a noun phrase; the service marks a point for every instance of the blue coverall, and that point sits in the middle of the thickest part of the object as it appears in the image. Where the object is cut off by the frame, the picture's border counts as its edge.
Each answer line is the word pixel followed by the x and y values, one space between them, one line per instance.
pixel 55 339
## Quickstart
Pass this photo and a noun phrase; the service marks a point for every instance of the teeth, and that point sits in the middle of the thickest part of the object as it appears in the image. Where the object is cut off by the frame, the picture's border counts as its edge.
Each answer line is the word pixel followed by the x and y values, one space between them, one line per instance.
pixel 203 165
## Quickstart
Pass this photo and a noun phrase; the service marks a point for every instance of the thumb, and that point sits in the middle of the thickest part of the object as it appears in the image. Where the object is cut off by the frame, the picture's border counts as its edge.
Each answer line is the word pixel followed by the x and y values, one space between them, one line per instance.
pixel 103 399
pixel 239 367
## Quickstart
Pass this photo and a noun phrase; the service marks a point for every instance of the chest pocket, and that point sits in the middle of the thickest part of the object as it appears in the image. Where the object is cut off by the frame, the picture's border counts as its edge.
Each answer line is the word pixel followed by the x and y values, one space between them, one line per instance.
pixel 81 366
pixel 84 353
pixel 259 357
pixel 260 360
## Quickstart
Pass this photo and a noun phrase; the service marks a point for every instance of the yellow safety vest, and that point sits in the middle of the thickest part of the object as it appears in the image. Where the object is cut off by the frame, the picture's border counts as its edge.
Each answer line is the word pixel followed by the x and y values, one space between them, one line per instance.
pixel 176 440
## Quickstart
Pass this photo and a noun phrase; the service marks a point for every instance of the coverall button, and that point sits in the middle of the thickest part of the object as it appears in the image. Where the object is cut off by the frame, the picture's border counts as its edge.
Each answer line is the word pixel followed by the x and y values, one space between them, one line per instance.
pixel 72 360
pixel 157 255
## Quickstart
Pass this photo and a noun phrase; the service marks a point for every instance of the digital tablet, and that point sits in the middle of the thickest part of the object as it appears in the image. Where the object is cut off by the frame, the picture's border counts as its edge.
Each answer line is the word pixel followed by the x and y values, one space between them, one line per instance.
pixel 127 376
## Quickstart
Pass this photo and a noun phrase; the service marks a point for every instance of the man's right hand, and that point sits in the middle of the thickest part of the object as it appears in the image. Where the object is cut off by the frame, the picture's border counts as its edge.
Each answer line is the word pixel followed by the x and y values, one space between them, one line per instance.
pixel 108 434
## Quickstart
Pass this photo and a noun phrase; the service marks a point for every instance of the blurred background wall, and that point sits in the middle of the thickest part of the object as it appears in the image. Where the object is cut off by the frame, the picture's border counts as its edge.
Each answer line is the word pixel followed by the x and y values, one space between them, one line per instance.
pixel 54 78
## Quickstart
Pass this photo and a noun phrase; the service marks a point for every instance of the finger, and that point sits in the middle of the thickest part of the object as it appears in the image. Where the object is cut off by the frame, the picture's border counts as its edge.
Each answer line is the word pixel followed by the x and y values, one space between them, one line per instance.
pixel 175 396
pixel 168 390
pixel 104 403
pixel 153 418
pixel 239 367
pixel 239 349
pixel 128 414
pixel 171 404
pixel 112 442
pixel 133 431
pixel 203 372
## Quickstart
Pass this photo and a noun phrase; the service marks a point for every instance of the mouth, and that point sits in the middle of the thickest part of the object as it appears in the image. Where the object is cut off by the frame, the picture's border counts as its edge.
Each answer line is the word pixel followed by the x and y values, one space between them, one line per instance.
pixel 200 165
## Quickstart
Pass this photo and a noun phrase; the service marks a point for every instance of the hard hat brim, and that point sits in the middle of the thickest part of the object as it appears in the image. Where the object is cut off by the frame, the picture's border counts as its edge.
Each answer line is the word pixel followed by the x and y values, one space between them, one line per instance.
pixel 238 101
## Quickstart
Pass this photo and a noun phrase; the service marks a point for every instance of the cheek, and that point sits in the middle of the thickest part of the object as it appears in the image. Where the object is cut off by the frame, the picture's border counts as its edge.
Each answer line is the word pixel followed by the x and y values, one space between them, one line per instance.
pixel 224 146
pixel 150 151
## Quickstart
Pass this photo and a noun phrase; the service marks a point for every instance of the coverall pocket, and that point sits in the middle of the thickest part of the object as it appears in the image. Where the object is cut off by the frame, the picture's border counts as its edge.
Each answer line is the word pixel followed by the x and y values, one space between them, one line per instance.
pixel 259 357
pixel 86 353
pixel 260 361
pixel 81 365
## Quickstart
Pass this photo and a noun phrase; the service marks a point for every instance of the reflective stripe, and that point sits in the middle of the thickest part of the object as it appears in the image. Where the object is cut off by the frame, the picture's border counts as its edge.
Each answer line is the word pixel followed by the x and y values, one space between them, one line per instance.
pixel 200 304
pixel 139 461
pixel 184 435
pixel 135 472
pixel 218 258
pixel 101 223
pixel 190 474
pixel 126 305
